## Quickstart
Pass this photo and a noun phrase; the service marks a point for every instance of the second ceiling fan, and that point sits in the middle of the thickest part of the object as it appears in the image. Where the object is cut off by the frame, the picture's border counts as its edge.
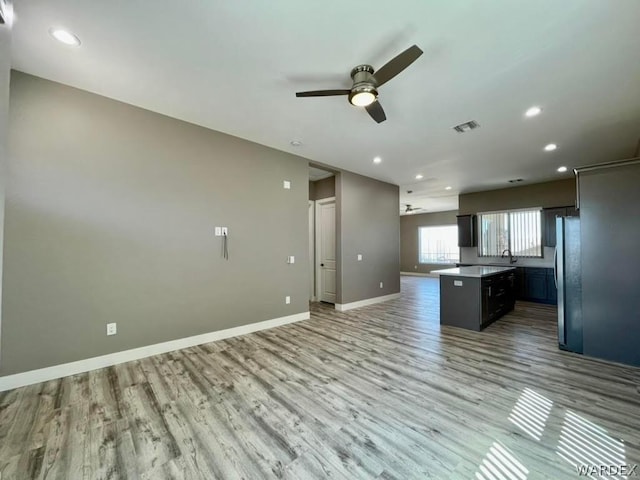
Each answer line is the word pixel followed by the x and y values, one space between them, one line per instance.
pixel 366 80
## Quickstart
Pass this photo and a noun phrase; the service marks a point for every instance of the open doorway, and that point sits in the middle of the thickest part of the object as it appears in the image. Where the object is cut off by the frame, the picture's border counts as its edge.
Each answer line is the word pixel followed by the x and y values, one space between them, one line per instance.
pixel 322 236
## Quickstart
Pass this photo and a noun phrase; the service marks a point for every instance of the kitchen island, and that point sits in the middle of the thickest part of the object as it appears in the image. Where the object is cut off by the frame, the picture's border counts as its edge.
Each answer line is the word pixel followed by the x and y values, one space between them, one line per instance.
pixel 474 297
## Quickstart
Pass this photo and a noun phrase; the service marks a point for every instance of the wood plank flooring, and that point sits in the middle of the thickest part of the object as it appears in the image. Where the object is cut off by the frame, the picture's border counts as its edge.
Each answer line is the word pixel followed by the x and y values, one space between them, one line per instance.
pixel 381 392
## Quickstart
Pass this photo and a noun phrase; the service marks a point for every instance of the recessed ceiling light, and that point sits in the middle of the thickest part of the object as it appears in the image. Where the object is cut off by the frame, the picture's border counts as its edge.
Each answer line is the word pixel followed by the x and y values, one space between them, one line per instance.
pixel 533 111
pixel 562 169
pixel 447 188
pixel 295 143
pixel 419 177
pixel 377 160
pixel 64 36
pixel 551 147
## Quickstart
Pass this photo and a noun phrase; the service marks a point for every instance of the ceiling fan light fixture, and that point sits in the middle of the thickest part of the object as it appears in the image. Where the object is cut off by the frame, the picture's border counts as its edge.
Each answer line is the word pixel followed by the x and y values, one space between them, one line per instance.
pixel 363 96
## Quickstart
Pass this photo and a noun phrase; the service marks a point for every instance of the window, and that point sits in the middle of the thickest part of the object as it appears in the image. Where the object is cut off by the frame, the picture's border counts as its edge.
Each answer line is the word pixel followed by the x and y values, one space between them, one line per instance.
pixel 438 244
pixel 519 231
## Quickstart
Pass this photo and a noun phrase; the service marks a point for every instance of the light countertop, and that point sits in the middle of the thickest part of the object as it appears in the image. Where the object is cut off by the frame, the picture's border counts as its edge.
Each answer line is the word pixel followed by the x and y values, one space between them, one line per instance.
pixel 477 271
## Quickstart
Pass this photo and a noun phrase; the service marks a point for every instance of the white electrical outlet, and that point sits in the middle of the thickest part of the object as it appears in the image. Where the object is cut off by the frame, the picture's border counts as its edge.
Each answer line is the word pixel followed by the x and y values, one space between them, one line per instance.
pixel 225 231
pixel 287 185
pixel 112 329
pixel 287 299
pixel 359 257
pixel 291 259
pixel 381 285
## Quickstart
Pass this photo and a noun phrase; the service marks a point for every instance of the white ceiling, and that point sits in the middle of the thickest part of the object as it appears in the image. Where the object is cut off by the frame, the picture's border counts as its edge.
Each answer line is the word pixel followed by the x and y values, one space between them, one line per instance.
pixel 235 67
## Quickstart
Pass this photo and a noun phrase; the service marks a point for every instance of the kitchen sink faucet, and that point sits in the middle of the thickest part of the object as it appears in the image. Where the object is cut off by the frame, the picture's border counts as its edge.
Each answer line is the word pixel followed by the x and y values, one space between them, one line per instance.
pixel 512 259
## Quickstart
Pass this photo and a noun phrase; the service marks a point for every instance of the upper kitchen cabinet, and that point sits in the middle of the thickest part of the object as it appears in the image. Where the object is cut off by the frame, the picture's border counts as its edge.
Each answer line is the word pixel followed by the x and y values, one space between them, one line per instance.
pixel 549 219
pixel 467 231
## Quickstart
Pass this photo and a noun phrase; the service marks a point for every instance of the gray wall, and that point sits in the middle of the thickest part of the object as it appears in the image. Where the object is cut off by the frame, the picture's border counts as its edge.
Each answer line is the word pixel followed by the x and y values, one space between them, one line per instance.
pixel 5 69
pixel 324 188
pixel 609 231
pixel 368 223
pixel 109 218
pixel 409 225
pixel 559 193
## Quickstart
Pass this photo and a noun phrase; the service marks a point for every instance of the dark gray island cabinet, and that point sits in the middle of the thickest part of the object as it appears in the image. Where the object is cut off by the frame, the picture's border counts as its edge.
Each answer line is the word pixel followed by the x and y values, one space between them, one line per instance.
pixel 474 297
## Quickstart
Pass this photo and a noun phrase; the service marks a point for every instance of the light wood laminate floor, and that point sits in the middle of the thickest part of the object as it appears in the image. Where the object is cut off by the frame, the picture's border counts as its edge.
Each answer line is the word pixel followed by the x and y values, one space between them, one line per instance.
pixel 381 392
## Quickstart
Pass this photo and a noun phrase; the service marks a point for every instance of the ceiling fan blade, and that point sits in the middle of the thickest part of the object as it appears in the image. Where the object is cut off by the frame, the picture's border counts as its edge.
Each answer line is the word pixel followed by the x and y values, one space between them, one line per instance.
pixel 322 93
pixel 397 64
pixel 376 111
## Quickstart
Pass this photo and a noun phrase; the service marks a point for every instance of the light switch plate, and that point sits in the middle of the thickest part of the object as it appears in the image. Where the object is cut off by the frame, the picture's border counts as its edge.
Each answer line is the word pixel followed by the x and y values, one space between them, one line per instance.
pixel 287 299
pixel 381 285
pixel 218 231
pixel 287 185
pixel 112 328
pixel 359 257
pixel 457 283
pixel 291 259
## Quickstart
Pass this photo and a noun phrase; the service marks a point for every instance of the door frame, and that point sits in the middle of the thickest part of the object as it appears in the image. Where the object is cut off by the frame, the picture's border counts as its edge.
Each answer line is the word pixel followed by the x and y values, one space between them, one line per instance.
pixel 312 249
pixel 318 253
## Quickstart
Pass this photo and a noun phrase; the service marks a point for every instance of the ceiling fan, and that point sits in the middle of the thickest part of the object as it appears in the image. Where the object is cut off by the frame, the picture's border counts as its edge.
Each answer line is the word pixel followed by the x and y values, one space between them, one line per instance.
pixel 411 209
pixel 366 80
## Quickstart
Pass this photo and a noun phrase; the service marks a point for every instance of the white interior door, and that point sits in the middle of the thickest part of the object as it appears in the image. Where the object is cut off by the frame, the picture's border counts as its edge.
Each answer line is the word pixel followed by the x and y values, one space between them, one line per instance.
pixel 326 250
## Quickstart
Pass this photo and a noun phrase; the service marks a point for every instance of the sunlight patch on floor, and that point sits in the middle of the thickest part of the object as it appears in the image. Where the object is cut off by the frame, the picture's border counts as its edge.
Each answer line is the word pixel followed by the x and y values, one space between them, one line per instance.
pixel 531 412
pixel 584 443
pixel 500 464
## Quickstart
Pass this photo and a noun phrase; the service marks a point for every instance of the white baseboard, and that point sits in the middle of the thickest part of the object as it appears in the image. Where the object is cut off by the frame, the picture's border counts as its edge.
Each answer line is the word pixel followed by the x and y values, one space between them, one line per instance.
pixel 10 382
pixel 418 274
pixel 363 303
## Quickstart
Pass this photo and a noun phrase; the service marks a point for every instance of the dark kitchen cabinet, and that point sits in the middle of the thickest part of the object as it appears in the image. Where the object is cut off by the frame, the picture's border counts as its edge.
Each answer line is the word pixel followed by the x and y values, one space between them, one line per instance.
pixel 467 230
pixel 519 283
pixel 497 296
pixel 536 284
pixel 549 220
pixel 550 215
pixel 533 284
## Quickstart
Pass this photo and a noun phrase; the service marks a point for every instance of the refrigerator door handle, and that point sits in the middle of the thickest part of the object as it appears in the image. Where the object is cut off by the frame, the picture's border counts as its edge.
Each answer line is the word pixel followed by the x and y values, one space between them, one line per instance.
pixel 559 277
pixel 555 266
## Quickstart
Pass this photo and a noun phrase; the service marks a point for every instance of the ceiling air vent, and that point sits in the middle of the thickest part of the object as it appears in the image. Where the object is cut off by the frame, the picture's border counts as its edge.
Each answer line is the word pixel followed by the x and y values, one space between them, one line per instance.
pixel 466 127
pixel 516 180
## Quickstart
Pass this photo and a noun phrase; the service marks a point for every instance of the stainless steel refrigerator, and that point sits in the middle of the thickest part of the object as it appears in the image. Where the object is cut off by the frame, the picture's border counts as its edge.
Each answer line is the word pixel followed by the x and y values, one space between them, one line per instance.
pixel 568 277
